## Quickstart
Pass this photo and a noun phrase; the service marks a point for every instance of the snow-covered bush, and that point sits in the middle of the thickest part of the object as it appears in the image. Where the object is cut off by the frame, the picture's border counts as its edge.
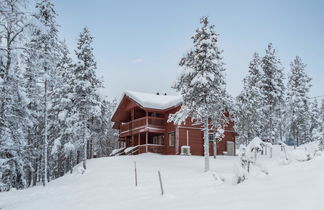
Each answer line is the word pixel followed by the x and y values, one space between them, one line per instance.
pixel 81 170
pixel 311 149
pixel 244 160
pixel 241 169
pixel 219 179
pixel 283 160
pixel 257 146
pixel 240 174
pixel 305 152
pixel 321 146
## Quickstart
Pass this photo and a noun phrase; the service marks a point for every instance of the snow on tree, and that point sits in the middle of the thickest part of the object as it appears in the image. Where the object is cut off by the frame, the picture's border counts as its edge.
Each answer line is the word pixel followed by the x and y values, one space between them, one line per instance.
pixel 272 95
pixel 42 59
pixel 87 100
pixel 106 137
pixel 254 147
pixel 62 113
pixel 315 121
pixel 14 148
pixel 298 113
pixel 248 109
pixel 201 83
pixel 318 130
pixel 41 114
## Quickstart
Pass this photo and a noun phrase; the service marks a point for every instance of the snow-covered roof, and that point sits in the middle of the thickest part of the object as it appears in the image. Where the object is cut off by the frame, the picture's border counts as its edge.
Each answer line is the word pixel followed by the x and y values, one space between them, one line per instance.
pixel 154 101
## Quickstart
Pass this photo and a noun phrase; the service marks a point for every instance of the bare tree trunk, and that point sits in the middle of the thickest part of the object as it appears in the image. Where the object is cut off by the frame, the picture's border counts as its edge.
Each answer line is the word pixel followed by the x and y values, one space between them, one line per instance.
pixel 84 145
pixel 45 180
pixel 206 146
pixel 71 163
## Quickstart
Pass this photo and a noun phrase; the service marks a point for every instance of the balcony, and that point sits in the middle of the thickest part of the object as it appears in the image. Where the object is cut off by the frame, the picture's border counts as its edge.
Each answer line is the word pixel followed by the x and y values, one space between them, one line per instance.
pixel 144 124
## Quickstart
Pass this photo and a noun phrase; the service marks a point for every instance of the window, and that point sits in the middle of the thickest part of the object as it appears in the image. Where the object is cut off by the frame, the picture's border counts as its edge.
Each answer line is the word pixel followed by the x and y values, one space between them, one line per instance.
pixel 211 137
pixel 171 139
pixel 158 140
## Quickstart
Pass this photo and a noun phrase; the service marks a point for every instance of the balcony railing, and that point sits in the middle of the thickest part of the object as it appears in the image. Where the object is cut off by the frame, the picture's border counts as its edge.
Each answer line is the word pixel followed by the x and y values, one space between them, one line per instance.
pixel 156 122
pixel 143 148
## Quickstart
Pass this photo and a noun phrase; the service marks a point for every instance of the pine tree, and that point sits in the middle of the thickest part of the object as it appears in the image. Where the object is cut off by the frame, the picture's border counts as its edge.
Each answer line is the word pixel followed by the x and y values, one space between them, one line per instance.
pixel 202 84
pixel 272 96
pixel 106 137
pixel 248 104
pixel 61 123
pixel 321 120
pixel 87 100
pixel 315 121
pixel 42 58
pixel 297 102
pixel 14 150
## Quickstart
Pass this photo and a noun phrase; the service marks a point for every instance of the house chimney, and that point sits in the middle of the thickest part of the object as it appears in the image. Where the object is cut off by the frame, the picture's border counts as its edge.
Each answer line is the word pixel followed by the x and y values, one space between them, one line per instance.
pixel 157 93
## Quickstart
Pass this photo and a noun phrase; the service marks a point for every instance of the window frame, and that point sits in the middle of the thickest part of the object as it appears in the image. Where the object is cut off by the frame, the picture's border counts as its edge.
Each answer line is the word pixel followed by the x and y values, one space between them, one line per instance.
pixel 213 135
pixel 174 139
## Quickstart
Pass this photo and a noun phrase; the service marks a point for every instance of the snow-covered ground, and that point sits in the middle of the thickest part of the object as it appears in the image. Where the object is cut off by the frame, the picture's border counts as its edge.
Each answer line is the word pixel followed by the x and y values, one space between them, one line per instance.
pixel 109 184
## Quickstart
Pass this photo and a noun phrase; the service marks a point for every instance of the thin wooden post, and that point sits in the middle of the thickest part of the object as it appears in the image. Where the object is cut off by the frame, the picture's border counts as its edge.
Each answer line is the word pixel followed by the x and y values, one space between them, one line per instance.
pixel 161 185
pixel 135 174
pixel 146 148
pixel 215 148
pixel 187 137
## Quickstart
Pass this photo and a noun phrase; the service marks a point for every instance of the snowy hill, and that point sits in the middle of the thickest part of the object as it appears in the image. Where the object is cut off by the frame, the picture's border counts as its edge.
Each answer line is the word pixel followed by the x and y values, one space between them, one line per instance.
pixel 109 184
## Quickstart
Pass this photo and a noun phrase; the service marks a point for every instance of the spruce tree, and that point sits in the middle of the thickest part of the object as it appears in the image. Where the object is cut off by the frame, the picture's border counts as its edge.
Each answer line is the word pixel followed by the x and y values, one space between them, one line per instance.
pixel 272 96
pixel 248 107
pixel 202 83
pixel 106 137
pixel 43 58
pixel 321 120
pixel 61 124
pixel 315 120
pixel 297 102
pixel 86 85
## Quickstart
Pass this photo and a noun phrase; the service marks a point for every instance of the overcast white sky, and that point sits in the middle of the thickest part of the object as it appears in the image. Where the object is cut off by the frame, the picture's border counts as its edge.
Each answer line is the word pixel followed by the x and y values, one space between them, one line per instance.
pixel 138 44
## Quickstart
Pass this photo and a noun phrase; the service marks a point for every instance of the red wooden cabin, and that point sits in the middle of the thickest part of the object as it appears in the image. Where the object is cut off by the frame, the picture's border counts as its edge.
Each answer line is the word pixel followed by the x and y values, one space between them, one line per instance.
pixel 141 119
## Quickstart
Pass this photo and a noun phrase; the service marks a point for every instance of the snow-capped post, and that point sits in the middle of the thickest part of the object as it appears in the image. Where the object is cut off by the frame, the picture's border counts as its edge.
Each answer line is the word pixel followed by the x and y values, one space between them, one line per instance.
pixel 135 174
pixel 201 83
pixel 161 185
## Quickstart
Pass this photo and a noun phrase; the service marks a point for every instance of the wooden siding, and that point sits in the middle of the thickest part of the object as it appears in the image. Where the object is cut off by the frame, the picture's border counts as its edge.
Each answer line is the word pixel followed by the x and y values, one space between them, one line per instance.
pixel 135 121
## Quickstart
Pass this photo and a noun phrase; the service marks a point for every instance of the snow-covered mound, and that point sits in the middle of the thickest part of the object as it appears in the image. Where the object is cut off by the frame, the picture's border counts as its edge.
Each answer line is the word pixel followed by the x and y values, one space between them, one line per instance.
pixel 108 183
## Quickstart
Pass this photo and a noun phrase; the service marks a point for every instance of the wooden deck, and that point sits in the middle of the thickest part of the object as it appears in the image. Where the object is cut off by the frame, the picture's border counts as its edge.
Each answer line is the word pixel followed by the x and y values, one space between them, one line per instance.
pixel 144 124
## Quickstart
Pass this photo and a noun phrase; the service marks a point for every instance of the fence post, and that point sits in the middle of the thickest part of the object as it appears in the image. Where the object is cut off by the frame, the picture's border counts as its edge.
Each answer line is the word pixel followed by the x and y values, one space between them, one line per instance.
pixel 161 185
pixel 135 174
